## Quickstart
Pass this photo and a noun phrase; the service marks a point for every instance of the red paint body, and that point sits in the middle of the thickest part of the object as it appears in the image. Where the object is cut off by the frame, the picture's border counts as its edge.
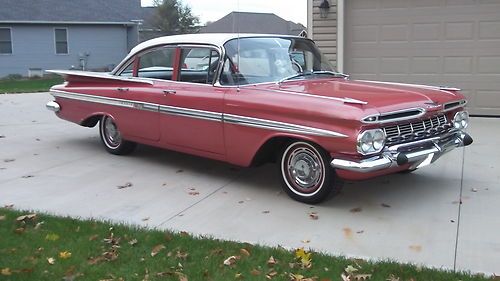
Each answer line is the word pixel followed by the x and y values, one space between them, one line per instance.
pixel 238 144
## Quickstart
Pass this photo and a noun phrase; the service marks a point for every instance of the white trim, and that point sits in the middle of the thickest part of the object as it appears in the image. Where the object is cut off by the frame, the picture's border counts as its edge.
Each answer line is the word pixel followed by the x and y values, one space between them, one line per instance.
pixel 11 42
pixel 66 22
pixel 310 17
pixel 340 34
pixel 55 41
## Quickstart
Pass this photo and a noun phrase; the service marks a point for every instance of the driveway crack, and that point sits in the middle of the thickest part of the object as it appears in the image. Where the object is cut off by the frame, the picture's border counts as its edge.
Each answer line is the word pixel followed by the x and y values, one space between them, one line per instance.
pixel 459 210
pixel 202 199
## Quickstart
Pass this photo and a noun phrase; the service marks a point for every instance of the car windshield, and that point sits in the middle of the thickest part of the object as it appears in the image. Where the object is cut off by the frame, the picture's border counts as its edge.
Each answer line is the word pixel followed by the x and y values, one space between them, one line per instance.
pixel 268 59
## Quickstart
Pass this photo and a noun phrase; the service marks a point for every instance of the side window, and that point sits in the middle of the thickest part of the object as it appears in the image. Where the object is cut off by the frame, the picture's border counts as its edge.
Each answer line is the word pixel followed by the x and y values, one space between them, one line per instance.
pixel 157 64
pixel 5 41
pixel 61 41
pixel 198 65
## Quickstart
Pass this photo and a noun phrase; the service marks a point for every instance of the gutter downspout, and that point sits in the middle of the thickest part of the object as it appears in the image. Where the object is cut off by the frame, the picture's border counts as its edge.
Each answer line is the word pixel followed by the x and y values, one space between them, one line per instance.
pixel 310 19
pixel 340 35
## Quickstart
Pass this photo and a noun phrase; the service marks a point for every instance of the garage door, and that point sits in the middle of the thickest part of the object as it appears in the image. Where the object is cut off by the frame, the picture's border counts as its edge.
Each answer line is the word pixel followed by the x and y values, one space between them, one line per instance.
pixel 436 42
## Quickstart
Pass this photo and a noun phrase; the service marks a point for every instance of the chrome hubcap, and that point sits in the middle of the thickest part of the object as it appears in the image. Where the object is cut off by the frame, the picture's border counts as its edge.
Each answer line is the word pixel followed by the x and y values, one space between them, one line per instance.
pixel 305 168
pixel 113 136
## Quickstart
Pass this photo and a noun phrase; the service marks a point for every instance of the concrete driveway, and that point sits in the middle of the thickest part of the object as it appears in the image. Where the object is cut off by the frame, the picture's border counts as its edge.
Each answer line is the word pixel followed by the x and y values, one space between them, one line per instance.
pixel 50 165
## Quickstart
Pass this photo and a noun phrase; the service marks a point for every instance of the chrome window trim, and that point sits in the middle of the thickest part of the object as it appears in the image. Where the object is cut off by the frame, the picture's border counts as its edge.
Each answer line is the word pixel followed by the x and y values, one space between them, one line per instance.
pixel 200 114
pixel 103 75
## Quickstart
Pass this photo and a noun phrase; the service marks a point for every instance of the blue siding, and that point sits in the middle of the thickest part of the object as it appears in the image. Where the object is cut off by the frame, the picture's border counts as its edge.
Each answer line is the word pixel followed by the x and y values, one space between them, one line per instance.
pixel 33 46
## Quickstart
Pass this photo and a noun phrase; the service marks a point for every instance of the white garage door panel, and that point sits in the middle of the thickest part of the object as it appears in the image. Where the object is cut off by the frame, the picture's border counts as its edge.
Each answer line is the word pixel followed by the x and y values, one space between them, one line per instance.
pixel 440 42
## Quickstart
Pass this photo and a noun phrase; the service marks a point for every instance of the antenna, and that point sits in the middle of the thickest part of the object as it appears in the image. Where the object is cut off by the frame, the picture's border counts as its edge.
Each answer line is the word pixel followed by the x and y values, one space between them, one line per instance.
pixel 238 46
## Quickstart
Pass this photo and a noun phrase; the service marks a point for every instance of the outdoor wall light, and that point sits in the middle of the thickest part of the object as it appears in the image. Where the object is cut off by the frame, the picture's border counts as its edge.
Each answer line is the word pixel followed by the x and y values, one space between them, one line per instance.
pixel 324 7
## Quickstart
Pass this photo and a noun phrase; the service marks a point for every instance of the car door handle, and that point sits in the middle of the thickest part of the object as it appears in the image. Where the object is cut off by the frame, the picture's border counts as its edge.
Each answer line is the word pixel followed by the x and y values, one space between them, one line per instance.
pixel 122 89
pixel 169 92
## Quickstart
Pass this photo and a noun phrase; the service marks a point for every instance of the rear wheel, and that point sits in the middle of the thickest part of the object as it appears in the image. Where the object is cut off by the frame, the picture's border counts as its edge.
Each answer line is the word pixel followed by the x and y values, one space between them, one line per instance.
pixel 306 173
pixel 112 139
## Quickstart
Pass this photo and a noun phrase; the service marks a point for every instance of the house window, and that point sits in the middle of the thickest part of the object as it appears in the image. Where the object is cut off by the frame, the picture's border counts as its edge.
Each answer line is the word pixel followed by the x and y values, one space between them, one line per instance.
pixel 61 35
pixel 5 41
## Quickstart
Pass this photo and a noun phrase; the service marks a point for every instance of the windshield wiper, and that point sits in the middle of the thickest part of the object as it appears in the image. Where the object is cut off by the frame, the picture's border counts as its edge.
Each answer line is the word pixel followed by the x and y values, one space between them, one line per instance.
pixel 316 72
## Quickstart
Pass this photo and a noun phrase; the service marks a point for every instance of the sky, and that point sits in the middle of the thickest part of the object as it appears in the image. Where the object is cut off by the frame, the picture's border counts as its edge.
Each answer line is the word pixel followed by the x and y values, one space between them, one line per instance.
pixel 212 10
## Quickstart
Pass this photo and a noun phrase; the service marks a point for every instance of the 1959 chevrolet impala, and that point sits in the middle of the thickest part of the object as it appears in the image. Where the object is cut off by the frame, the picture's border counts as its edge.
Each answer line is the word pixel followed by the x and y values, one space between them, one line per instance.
pixel 250 99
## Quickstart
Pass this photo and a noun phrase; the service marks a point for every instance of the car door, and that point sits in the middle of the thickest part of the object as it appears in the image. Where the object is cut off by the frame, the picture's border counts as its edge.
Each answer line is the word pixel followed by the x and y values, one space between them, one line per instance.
pixel 191 108
pixel 141 118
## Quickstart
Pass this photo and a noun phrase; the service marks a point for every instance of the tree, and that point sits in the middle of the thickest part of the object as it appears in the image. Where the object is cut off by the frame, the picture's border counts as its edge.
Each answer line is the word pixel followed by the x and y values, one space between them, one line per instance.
pixel 173 17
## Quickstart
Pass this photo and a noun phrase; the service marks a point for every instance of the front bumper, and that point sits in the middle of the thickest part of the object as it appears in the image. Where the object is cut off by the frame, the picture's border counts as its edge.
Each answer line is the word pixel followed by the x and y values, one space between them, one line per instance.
pixel 417 154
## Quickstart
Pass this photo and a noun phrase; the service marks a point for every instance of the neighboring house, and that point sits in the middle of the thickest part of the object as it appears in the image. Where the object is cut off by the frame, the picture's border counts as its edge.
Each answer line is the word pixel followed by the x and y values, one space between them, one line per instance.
pixel 253 23
pixel 55 34
pixel 147 30
pixel 438 42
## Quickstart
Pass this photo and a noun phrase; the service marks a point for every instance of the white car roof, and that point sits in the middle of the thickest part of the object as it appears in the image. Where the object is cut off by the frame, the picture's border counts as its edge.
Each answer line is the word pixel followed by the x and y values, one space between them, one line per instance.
pixel 217 39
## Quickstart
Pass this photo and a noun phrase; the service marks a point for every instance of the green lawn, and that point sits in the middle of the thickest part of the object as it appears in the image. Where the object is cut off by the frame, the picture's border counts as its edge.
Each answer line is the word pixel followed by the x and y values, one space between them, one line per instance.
pixel 42 247
pixel 28 85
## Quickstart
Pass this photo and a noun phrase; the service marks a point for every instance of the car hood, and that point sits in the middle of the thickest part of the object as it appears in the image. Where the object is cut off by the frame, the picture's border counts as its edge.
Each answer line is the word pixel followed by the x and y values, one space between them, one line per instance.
pixel 382 96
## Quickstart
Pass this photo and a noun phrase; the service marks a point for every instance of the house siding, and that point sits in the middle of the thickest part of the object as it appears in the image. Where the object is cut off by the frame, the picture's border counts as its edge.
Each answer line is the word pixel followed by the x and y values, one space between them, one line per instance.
pixel 324 30
pixel 33 46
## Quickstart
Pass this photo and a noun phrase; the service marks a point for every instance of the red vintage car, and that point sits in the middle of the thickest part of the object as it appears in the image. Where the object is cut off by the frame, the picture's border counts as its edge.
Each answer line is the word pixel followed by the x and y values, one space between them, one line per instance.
pixel 250 99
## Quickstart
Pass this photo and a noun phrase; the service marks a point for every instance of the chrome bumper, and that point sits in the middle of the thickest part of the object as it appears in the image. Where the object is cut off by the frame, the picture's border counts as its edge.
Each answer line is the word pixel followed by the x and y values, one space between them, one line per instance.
pixel 418 153
pixel 53 106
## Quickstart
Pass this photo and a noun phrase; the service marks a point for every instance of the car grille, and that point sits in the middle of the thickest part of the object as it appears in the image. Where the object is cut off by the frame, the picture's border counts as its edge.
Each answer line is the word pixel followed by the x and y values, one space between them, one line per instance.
pixel 416 130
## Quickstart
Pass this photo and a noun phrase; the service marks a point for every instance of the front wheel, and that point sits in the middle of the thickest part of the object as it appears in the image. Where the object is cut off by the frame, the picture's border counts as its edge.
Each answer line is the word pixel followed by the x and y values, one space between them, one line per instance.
pixel 306 173
pixel 112 139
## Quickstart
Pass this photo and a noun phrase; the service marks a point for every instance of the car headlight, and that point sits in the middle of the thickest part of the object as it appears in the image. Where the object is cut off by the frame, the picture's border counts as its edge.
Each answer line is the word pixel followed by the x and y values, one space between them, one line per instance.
pixel 371 141
pixel 461 120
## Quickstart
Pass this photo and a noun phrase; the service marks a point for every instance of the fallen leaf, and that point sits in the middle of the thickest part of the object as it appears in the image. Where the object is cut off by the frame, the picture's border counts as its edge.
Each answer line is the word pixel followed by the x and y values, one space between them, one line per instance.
pixel 6 271
pixel 145 219
pixel 156 249
pixel 296 277
pixel 181 255
pixel 416 248
pixel 26 217
pixel 392 278
pixel 37 139
pixel 19 230
pixel 238 276
pixel 2 136
pixel 356 210
pixel 65 255
pixel 385 205
pixel 93 237
pixel 360 231
pixel 231 260
pixel 303 257
pixel 51 261
pixel 305 241
pixel 133 242
pixel 244 252
pixel 345 277
pixel 266 212
pixel 474 189
pixel 241 202
pixel 194 193
pixel 9 160
pixel 128 184
pixel 184 233
pixel 2 218
pixel 180 171
pixel 27 176
pixel 313 216
pixel 38 225
pixel 350 269
pixel 271 261
pixel 255 272
pixel 271 274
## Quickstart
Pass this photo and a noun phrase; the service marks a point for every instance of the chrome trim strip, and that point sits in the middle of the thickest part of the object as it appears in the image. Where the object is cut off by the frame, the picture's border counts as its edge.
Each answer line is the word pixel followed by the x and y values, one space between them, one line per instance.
pixel 194 113
pixel 200 114
pixel 344 100
pixel 279 126
pixel 103 75
pixel 105 100
pixel 442 88
pixel 377 121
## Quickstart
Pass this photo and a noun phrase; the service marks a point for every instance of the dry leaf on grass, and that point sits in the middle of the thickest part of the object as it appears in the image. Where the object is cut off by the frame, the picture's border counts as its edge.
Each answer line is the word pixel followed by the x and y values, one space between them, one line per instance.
pixel 156 249
pixel 6 271
pixel 271 261
pixel 51 261
pixel 385 205
pixel 2 218
pixel 52 237
pixel 181 255
pixel 244 252
pixel 65 255
pixel 133 242
pixel 303 257
pixel 231 260
pixel 255 272
pixel 271 274
pixel 26 217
